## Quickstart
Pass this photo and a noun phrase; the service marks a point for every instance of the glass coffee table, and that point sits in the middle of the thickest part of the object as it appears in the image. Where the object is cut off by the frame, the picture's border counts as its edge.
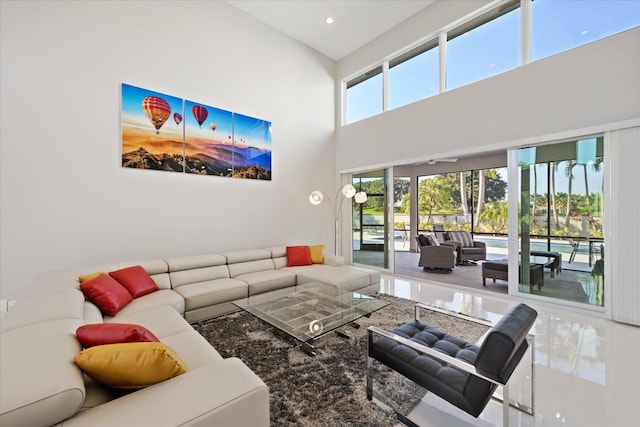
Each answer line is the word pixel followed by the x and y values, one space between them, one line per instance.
pixel 309 311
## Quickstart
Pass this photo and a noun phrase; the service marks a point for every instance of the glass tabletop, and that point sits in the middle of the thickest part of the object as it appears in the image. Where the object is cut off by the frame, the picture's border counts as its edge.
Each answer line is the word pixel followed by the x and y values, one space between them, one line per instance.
pixel 305 312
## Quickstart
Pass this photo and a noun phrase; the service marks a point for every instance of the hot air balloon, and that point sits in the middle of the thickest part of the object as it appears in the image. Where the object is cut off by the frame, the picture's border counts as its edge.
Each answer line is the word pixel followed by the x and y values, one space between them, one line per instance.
pixel 213 126
pixel 200 113
pixel 157 110
pixel 177 118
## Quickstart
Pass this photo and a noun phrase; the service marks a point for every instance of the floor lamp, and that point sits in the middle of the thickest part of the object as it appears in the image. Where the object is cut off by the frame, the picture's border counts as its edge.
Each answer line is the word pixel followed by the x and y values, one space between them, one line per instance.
pixel 347 192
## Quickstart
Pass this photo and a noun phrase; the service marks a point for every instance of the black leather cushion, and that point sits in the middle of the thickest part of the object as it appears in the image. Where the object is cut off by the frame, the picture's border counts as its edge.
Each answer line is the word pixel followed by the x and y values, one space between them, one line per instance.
pixel 423 239
pixel 439 378
pixel 504 341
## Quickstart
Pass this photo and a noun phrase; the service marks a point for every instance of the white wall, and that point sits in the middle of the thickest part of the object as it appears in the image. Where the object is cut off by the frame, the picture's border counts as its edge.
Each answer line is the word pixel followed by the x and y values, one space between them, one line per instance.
pixel 65 199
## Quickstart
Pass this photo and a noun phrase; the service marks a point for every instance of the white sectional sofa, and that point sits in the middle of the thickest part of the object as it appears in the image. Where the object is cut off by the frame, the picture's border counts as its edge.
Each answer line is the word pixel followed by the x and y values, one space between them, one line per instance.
pixel 41 385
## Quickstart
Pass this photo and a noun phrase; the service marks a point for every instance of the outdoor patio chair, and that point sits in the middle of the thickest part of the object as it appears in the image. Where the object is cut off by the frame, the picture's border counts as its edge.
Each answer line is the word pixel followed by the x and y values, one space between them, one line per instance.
pixel 433 255
pixel 460 372
pixel 469 250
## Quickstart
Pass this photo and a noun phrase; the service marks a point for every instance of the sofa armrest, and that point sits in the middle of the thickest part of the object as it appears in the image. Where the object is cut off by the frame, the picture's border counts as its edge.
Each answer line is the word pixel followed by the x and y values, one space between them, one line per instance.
pixel 224 393
pixel 451 243
pixel 333 260
pixel 478 244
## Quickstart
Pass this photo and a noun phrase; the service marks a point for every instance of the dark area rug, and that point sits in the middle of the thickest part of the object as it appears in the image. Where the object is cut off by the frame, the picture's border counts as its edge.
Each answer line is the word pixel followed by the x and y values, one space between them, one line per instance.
pixel 328 389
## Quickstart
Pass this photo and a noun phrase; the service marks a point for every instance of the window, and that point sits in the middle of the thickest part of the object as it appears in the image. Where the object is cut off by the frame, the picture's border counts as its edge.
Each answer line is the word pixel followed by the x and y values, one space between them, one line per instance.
pixel 560 25
pixel 483 47
pixel 364 96
pixel 486 43
pixel 414 75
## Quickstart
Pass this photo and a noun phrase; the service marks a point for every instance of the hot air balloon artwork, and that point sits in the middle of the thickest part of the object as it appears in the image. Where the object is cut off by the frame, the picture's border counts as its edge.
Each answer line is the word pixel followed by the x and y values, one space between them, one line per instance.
pixel 157 111
pixel 205 129
pixel 232 145
pixel 200 113
pixel 146 142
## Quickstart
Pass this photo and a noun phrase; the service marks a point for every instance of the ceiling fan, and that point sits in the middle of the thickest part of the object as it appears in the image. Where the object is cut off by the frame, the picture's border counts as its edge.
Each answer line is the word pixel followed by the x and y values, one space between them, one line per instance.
pixel 434 161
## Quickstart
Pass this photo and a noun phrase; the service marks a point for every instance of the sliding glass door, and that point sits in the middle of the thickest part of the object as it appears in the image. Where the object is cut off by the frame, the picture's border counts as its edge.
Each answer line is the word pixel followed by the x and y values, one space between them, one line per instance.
pixel 371 220
pixel 561 220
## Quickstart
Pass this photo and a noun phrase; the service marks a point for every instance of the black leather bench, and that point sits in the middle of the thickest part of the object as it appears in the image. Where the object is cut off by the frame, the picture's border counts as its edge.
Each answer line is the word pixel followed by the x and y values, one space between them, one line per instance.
pixel 458 371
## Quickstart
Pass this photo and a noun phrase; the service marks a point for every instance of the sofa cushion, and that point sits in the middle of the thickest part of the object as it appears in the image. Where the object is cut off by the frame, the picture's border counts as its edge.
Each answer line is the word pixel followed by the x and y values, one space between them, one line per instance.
pixel 113 333
pixel 161 298
pixel 264 281
pixel 105 292
pixel 343 277
pixel 317 254
pixel 131 365
pixel 136 280
pixel 298 255
pixel 193 348
pixel 212 292
pixel 39 385
pixel 161 321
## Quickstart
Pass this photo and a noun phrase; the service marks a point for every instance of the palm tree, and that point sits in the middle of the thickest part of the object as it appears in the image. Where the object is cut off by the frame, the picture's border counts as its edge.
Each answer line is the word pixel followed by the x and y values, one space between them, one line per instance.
pixel 433 194
pixel 463 194
pixel 554 207
pixel 495 216
pixel 569 172
pixel 481 190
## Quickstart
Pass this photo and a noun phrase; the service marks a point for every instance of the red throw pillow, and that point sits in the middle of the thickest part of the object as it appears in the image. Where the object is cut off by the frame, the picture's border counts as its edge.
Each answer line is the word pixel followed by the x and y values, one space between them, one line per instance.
pixel 113 333
pixel 298 255
pixel 136 280
pixel 105 292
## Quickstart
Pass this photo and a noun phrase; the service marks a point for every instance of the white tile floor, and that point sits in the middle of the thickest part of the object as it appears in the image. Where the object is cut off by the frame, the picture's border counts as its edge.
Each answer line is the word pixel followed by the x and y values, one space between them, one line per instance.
pixel 587 369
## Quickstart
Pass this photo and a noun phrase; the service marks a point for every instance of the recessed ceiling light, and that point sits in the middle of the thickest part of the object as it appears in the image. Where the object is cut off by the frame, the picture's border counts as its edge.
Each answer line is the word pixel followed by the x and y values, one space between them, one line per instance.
pixel 329 20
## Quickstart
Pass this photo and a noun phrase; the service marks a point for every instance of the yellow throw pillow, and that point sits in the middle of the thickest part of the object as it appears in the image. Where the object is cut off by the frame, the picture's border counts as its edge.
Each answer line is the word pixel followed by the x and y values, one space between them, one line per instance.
pixel 130 365
pixel 88 277
pixel 317 254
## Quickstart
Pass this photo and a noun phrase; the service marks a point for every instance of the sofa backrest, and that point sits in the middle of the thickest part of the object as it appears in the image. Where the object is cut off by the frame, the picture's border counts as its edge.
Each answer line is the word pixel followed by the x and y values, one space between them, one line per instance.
pixel 40 385
pixel 248 261
pixel 279 256
pixel 197 268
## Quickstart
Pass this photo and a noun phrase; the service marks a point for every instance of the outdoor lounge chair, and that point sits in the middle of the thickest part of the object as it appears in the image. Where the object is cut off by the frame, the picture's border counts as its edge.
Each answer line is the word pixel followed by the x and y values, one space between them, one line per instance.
pixel 434 256
pixel 462 373
pixel 469 250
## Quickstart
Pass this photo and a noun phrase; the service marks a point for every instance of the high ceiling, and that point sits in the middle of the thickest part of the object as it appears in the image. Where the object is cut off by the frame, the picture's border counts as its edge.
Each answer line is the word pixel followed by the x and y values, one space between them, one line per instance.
pixel 355 22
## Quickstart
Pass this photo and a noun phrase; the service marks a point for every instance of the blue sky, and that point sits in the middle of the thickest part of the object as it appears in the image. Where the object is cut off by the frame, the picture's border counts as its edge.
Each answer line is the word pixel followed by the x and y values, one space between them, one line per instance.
pixel 248 130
